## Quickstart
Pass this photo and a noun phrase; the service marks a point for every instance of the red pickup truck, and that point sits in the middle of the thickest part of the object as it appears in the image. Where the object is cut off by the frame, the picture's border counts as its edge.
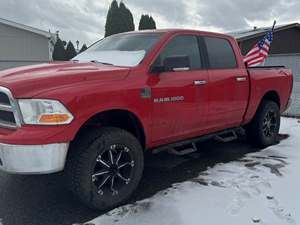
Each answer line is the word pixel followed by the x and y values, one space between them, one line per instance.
pixel 95 116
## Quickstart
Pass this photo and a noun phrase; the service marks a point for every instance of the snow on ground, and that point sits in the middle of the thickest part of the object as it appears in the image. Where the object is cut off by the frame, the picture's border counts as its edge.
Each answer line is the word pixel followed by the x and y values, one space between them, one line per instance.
pixel 262 188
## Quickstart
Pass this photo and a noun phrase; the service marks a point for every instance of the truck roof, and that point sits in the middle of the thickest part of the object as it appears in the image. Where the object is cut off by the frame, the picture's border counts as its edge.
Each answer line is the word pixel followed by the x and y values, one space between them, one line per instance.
pixel 176 30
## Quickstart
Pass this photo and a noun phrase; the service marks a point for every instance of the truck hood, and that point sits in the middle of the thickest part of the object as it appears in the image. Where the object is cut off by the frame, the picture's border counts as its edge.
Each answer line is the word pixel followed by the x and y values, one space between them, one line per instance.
pixel 29 81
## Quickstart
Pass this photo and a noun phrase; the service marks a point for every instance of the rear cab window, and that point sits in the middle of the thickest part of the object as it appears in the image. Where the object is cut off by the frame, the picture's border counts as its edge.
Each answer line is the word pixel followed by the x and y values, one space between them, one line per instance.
pixel 220 53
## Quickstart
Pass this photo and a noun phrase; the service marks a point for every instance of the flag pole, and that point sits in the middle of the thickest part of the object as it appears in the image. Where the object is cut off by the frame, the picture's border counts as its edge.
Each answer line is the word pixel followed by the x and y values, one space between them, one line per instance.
pixel 274 24
pixel 273 27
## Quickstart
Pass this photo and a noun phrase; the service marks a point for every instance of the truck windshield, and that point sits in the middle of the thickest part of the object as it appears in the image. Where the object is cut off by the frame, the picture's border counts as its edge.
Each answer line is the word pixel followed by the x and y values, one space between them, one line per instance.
pixel 120 50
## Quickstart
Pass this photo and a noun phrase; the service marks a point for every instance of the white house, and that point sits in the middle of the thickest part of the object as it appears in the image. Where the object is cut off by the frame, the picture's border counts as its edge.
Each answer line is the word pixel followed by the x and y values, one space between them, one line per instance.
pixel 24 45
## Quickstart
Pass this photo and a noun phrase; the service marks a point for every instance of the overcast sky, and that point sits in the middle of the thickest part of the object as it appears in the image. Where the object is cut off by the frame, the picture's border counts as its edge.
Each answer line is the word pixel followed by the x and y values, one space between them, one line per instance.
pixel 84 19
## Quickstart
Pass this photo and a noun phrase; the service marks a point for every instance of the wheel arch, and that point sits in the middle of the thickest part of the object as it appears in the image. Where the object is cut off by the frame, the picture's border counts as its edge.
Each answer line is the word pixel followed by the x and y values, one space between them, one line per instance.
pixel 119 118
pixel 272 96
pixel 256 101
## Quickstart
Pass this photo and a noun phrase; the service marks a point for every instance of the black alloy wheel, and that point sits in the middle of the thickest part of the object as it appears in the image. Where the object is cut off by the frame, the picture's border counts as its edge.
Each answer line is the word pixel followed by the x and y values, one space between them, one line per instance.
pixel 113 170
pixel 270 123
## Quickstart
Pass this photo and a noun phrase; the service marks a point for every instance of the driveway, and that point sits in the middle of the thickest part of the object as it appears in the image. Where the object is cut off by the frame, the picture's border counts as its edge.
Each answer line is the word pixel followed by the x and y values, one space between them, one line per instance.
pixel 43 200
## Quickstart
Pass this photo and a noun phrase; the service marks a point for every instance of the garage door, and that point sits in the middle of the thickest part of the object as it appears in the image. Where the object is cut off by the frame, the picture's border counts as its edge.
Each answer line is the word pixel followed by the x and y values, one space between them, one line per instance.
pixel 292 62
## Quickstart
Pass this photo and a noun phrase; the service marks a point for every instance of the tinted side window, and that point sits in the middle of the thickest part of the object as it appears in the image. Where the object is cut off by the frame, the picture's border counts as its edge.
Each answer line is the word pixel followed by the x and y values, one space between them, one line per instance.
pixel 220 53
pixel 184 45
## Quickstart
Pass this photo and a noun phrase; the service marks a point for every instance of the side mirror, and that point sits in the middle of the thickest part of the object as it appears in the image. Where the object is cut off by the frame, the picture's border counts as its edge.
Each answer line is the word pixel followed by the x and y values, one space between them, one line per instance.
pixel 173 63
pixel 157 69
pixel 177 63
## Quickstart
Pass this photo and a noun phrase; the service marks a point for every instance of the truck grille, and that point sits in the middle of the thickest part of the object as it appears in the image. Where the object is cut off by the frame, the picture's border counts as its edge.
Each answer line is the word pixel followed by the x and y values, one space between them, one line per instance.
pixel 4 99
pixel 8 110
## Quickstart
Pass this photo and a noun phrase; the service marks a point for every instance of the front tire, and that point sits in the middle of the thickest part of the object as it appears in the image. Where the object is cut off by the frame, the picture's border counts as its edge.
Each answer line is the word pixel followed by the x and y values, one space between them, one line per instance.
pixel 104 167
pixel 264 129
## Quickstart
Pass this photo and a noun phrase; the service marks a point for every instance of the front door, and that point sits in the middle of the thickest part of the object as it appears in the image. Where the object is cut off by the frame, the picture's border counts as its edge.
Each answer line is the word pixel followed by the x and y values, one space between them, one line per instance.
pixel 179 97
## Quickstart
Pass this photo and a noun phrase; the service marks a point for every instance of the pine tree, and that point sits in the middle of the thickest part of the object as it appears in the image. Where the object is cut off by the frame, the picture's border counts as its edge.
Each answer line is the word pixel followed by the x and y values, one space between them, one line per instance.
pixel 127 18
pixel 70 51
pixel 152 23
pixel 147 22
pixel 131 26
pixel 119 19
pixel 142 22
pixel 112 20
pixel 59 53
pixel 83 48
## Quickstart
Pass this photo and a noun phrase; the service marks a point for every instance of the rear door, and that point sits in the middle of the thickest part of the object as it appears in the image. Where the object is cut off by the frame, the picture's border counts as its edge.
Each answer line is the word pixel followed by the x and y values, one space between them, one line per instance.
pixel 228 85
pixel 179 98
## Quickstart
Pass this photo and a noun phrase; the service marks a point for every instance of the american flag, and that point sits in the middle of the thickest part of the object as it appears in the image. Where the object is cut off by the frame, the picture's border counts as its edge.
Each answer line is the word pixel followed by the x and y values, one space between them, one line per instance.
pixel 260 51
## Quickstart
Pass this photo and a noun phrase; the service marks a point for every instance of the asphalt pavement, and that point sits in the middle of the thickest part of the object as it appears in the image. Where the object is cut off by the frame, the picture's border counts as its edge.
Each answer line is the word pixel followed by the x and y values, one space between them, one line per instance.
pixel 43 200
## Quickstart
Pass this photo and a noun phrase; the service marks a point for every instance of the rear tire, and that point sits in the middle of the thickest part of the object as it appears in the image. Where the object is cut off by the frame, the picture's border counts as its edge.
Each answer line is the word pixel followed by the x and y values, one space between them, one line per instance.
pixel 264 129
pixel 104 167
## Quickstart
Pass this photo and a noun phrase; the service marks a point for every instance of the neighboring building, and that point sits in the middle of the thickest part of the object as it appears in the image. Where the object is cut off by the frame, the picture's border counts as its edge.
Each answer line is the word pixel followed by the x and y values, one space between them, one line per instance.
pixel 23 45
pixel 285 51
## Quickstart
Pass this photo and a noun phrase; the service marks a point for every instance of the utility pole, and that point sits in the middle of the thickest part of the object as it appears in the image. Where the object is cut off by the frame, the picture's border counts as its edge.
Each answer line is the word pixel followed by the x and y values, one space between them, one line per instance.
pixel 77 43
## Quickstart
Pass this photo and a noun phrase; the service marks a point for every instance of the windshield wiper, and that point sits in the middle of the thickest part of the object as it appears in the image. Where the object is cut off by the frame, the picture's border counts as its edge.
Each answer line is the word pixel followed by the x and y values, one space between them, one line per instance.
pixel 104 63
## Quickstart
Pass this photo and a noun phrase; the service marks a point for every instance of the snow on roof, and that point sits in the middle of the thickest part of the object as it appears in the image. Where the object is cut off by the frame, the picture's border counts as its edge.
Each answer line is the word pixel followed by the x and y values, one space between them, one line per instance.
pixel 27 28
pixel 251 33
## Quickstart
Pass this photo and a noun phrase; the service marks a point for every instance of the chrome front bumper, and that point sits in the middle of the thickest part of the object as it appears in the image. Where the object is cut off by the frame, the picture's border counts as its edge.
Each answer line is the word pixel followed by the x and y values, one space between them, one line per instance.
pixel 33 159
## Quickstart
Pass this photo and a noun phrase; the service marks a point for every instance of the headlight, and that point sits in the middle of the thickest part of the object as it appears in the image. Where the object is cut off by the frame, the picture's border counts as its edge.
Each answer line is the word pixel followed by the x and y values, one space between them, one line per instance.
pixel 44 112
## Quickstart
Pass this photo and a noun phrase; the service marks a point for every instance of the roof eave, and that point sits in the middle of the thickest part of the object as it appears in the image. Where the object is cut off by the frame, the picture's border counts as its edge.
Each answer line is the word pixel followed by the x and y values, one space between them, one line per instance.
pixel 296 25
pixel 26 28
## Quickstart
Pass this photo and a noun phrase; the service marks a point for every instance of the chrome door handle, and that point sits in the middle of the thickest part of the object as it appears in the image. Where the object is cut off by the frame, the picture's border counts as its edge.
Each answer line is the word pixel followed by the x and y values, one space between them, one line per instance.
pixel 181 69
pixel 241 79
pixel 200 82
